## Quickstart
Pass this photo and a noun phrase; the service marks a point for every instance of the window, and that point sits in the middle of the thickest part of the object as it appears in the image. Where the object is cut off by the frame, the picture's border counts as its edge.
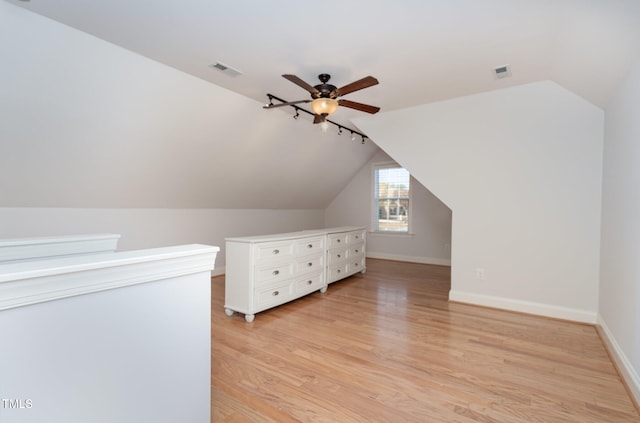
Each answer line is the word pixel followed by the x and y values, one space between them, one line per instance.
pixel 391 198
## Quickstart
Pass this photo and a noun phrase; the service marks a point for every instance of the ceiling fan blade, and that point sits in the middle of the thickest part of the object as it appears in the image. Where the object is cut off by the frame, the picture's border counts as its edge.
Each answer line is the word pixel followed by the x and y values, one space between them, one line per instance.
pixel 299 82
pixel 290 103
pixel 319 119
pixel 359 106
pixel 365 82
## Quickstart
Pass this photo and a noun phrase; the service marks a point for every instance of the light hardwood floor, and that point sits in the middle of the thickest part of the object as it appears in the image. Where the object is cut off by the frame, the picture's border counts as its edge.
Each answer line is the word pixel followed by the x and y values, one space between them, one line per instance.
pixel 387 346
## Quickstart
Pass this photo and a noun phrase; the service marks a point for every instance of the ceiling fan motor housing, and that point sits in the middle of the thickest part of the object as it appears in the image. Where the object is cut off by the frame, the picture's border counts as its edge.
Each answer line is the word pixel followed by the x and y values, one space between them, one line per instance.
pixel 325 90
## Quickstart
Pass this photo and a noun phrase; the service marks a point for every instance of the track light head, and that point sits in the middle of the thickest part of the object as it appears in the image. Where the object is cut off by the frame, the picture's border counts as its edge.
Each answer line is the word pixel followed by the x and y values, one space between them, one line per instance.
pixel 324 123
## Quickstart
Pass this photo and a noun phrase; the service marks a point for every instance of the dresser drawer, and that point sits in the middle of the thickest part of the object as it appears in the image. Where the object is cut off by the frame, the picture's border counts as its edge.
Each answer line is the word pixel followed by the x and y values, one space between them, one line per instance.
pixel 308 246
pixel 336 256
pixel 356 250
pixel 268 274
pixel 336 272
pixel 355 265
pixel 274 251
pixel 309 283
pixel 273 295
pixel 355 236
pixel 336 240
pixel 310 264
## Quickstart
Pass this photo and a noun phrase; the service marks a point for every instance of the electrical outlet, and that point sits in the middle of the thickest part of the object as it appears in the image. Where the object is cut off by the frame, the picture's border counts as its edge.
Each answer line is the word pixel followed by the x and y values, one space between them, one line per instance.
pixel 480 273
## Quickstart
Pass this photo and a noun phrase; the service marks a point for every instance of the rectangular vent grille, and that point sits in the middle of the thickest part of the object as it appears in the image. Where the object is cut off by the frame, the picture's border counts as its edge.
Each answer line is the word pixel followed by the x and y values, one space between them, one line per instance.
pixel 502 71
pixel 226 69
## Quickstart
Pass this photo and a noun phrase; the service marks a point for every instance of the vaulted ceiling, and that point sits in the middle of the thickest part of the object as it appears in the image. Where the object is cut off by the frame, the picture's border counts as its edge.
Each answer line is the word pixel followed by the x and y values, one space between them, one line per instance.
pixel 421 51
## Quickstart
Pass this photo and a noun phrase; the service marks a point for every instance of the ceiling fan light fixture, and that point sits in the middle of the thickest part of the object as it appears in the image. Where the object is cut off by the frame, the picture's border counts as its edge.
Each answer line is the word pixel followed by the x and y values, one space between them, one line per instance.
pixel 324 106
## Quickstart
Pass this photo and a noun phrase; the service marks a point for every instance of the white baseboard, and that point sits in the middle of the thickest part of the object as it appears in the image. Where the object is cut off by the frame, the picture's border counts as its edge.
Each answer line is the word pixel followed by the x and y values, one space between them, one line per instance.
pixel 628 373
pixel 410 259
pixel 422 260
pixel 217 271
pixel 540 309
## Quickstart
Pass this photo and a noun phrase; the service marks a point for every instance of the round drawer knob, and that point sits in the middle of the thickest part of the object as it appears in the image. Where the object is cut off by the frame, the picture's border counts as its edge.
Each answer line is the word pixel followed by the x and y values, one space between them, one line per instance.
pixel 275 293
pixel 310 246
pixel 276 251
pixel 276 272
pixel 339 270
pixel 357 251
pixel 339 256
pixel 337 240
pixel 309 264
pixel 309 282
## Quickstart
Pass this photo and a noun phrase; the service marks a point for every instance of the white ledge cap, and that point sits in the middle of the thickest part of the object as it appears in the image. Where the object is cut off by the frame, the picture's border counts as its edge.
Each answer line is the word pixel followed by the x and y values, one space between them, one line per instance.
pixel 36 281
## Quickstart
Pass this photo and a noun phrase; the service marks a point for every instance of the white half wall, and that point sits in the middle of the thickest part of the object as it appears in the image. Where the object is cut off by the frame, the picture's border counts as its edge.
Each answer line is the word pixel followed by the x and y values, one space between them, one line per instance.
pixel 151 228
pixel 619 311
pixel 431 222
pixel 521 170
pixel 136 353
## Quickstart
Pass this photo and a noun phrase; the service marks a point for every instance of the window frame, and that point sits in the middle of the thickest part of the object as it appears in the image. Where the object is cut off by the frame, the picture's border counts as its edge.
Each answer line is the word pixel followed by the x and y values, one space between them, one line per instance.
pixel 375 229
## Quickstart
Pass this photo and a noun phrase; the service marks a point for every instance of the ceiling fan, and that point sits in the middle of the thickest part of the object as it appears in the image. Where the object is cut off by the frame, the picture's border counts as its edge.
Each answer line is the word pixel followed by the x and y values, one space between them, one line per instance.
pixel 324 96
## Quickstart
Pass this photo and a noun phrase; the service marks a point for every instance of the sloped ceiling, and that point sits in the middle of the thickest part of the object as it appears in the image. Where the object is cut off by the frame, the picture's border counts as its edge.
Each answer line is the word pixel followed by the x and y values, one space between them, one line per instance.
pixel 88 124
pixel 420 50
pixel 160 140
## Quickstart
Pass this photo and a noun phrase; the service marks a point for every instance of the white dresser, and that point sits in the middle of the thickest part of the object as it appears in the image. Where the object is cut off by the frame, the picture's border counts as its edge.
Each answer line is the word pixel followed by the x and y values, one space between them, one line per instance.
pixel 345 252
pixel 265 271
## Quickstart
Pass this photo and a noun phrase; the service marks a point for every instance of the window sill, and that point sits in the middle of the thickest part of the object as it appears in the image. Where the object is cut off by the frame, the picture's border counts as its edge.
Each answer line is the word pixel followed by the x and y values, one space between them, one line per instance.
pixel 392 234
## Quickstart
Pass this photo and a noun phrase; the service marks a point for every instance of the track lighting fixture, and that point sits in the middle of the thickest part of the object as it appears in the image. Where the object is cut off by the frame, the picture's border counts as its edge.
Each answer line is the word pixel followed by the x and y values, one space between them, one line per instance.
pixel 324 125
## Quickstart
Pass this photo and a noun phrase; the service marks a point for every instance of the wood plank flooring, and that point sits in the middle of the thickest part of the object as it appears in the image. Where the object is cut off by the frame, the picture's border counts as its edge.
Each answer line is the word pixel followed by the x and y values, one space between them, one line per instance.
pixel 387 346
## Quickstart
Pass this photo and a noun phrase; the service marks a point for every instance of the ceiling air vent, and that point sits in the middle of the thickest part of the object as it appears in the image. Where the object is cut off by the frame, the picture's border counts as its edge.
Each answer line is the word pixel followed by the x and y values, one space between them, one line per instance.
pixel 228 70
pixel 502 71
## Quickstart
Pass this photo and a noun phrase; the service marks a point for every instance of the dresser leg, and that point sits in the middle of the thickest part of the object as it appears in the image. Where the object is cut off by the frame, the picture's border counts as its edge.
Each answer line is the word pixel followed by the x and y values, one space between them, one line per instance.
pixel 249 317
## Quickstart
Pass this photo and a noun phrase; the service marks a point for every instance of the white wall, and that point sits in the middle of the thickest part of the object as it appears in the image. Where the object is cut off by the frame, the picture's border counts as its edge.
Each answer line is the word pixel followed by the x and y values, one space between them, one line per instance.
pixel 521 170
pixel 136 354
pixel 150 228
pixel 431 220
pixel 619 311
